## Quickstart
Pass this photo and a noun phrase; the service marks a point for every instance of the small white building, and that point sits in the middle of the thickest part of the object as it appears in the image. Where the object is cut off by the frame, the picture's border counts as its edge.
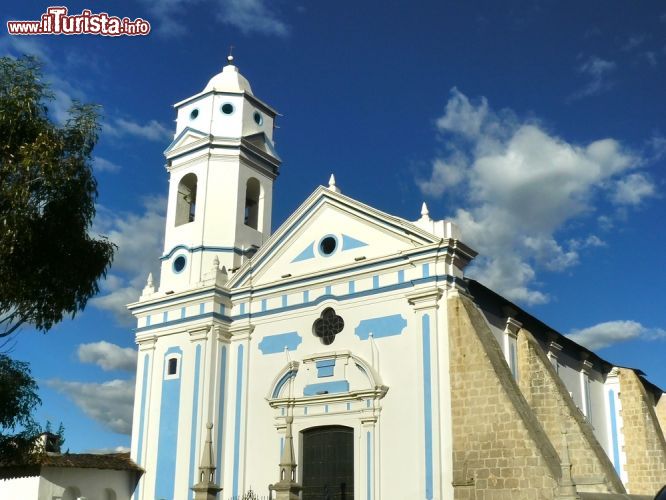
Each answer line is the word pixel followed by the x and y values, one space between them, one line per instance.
pixel 71 476
pixel 403 378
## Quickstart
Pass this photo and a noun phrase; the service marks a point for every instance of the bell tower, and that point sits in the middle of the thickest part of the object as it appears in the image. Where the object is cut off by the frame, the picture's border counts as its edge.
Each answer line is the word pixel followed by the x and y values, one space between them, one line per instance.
pixel 222 164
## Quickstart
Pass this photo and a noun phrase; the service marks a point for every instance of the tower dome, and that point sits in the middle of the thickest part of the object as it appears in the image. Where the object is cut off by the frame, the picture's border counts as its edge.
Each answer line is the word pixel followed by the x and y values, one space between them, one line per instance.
pixel 229 80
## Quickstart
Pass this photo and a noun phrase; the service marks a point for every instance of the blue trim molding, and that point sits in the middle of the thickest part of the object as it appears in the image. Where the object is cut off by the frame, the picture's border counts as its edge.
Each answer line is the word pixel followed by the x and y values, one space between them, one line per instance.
pixel 285 307
pixel 614 433
pixel 195 417
pixel 142 416
pixel 167 441
pixel 384 326
pixel 237 420
pixel 273 344
pixel 325 367
pixel 203 248
pixel 213 315
pixel 283 380
pixel 427 406
pixel 220 410
pixel 333 387
pixel 306 254
pixel 349 243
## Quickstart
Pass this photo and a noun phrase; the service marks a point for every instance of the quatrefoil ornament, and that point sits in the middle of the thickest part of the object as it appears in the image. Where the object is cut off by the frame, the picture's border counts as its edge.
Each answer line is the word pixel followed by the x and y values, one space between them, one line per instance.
pixel 328 325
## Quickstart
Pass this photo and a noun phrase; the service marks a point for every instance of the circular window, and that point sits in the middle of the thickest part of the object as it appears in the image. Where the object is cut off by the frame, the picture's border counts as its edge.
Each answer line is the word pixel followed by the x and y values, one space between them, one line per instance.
pixel 179 263
pixel 327 245
pixel 258 119
pixel 227 108
pixel 194 114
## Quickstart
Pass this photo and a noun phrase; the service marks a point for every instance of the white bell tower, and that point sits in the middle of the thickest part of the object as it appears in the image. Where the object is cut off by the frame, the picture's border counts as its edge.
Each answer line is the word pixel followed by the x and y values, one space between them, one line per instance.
pixel 221 164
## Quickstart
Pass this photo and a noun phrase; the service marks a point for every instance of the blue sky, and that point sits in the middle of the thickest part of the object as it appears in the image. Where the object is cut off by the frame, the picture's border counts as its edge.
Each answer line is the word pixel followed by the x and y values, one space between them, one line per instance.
pixel 538 126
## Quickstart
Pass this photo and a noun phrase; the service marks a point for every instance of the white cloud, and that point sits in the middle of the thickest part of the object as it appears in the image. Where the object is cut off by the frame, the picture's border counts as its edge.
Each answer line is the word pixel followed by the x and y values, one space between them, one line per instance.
pixel 109 403
pixel 657 145
pixel 252 16
pixel 108 356
pixel 151 131
pixel 103 165
pixel 633 189
pixel 613 332
pixel 591 241
pixel 651 57
pixel 139 238
pixel 520 187
pixel 445 174
pixel 597 71
pixel 632 42
pixel 248 16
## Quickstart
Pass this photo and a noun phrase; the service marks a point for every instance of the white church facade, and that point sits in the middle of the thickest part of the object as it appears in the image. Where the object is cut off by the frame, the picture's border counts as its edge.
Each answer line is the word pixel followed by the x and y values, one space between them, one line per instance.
pixel 356 332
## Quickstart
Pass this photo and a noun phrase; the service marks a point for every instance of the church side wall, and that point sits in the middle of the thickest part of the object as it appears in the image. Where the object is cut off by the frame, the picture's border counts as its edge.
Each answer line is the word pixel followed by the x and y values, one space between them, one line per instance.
pixel 499 449
pixel 556 410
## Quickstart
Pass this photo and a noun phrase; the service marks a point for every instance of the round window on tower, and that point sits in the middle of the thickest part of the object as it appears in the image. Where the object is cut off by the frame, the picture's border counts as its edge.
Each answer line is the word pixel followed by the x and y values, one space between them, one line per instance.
pixel 179 263
pixel 227 108
pixel 327 245
pixel 258 119
pixel 193 114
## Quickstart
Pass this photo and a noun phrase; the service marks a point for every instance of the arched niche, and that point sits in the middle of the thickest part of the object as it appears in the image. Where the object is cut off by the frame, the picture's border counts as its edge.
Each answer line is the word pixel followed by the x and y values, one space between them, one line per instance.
pixel 186 201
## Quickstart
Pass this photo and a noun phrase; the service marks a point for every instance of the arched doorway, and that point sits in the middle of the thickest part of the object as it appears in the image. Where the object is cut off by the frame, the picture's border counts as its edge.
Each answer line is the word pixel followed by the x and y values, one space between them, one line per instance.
pixel 328 463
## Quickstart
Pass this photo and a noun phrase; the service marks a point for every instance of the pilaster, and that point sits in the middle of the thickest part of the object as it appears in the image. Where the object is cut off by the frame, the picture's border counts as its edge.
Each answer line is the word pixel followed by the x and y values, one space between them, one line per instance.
pixel 425 303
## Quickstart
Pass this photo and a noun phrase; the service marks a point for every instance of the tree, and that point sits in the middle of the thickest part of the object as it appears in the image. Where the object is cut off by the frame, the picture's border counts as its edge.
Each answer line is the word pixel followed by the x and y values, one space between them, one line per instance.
pixel 18 398
pixel 49 262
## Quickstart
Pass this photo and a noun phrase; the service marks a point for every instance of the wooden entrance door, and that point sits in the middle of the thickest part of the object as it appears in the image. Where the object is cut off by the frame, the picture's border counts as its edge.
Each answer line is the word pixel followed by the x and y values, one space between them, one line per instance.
pixel 328 463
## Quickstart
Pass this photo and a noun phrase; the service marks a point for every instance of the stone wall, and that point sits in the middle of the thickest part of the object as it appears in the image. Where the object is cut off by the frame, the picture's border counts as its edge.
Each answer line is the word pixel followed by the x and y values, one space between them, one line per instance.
pixel 500 451
pixel 554 408
pixel 644 442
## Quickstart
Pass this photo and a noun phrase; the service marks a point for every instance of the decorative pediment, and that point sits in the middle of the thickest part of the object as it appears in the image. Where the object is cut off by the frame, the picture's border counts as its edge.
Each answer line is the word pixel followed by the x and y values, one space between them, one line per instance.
pixel 335 375
pixel 262 142
pixel 187 138
pixel 330 231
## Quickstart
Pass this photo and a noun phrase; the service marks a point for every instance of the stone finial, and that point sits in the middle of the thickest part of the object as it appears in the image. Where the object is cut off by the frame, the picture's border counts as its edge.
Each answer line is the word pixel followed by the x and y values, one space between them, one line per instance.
pixel 287 488
pixel 216 264
pixel 287 461
pixel 425 213
pixel 149 289
pixel 221 275
pixel 331 184
pixel 206 488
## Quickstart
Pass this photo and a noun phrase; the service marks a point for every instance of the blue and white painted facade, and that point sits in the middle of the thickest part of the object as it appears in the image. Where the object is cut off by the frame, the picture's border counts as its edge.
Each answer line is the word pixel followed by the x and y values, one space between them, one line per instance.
pixel 235 307
pixel 243 336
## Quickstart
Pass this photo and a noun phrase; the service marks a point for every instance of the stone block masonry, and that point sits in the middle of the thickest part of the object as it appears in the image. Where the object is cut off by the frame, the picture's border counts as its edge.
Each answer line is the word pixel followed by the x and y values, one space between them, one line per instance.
pixel 500 451
pixel 644 446
pixel 554 408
